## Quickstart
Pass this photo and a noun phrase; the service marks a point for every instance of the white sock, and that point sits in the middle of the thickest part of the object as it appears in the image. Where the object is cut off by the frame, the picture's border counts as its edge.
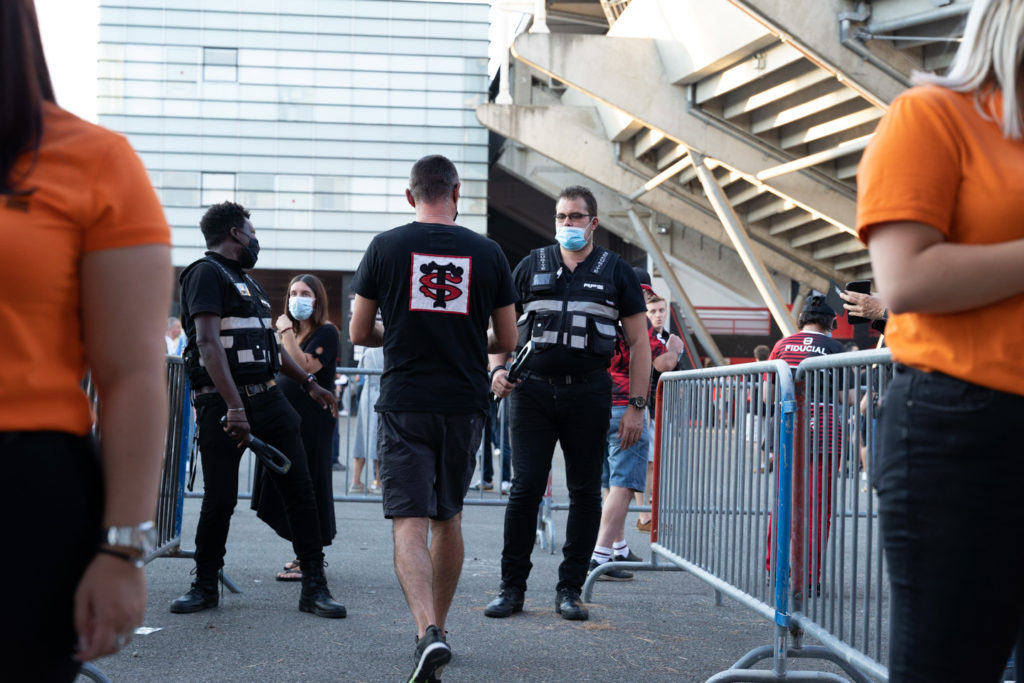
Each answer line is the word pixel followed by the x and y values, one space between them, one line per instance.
pixel 621 548
pixel 601 554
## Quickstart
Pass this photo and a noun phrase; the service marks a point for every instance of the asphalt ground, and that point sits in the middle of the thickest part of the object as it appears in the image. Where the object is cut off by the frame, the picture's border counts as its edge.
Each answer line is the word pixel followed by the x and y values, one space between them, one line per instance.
pixel 662 626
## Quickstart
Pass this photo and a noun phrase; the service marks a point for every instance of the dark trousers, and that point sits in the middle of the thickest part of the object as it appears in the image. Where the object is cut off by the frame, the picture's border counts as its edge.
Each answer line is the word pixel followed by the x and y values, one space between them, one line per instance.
pixel 575 416
pixel 274 420
pixel 52 508
pixel 494 438
pixel 949 481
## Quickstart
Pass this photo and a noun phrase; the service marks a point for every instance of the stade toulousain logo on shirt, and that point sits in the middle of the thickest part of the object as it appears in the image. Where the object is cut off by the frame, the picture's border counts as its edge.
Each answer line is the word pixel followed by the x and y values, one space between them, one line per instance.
pixel 440 283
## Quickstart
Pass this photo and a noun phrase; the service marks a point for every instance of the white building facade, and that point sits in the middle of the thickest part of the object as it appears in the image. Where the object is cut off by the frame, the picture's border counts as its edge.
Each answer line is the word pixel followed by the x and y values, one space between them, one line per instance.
pixel 308 112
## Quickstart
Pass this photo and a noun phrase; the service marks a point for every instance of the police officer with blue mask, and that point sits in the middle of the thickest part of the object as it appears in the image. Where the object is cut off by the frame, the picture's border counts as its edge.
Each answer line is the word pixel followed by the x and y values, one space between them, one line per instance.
pixel 232 356
pixel 573 295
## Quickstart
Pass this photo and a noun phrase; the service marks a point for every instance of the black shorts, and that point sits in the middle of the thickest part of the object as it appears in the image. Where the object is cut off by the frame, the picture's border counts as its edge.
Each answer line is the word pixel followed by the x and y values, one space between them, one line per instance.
pixel 426 462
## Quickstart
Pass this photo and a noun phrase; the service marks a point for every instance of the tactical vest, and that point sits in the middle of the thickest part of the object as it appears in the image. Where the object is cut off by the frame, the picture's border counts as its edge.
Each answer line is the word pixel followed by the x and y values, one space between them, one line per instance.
pixel 246 332
pixel 585 316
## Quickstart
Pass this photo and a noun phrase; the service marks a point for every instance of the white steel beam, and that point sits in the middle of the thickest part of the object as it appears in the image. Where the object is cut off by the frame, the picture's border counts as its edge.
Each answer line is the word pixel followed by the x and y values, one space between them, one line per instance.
pixel 811 26
pixel 574 138
pixel 682 245
pixel 738 234
pixel 605 68
pixel 678 293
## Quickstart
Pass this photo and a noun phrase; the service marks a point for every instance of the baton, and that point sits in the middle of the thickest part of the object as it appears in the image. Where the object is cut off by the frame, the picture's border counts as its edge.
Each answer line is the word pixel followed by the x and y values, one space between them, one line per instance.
pixel 518 365
pixel 273 459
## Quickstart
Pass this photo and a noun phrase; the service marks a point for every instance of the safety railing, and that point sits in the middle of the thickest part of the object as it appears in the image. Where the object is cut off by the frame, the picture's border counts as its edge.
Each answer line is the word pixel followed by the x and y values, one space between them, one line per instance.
pixel 723 440
pixel 167 516
pixel 839 586
pixel 356 452
pixel 172 472
pixel 761 490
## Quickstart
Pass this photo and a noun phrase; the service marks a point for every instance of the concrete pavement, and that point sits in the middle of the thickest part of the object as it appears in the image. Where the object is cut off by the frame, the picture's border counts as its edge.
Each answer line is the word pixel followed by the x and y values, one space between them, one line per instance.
pixel 663 626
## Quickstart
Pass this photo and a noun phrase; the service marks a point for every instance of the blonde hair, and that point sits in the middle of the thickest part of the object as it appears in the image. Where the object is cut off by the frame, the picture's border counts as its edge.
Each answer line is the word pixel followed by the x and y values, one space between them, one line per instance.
pixel 990 55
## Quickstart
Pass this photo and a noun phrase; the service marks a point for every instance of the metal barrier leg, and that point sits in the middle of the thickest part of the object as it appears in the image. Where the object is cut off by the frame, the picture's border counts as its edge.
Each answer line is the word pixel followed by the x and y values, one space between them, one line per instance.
pixel 546 521
pixel 542 538
pixel 818 652
pixel 652 566
pixel 549 526
pixel 92 673
pixel 227 582
pixel 763 675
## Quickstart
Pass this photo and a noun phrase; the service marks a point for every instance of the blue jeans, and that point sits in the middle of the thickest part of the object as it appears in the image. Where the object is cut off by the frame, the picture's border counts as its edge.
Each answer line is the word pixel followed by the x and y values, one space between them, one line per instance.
pixel 949 480
pixel 625 468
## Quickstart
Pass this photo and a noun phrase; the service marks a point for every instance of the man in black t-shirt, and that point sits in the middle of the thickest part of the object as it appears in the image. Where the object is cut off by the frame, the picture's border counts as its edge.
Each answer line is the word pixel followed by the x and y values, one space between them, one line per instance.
pixel 436 285
pixel 573 296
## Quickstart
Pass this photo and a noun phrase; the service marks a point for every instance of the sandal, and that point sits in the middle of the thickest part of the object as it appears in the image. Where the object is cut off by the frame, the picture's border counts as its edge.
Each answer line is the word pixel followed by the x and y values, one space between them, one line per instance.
pixel 292 572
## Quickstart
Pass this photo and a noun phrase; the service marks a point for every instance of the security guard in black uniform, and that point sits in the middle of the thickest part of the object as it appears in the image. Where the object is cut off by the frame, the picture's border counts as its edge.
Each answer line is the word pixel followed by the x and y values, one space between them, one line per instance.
pixel 572 297
pixel 232 357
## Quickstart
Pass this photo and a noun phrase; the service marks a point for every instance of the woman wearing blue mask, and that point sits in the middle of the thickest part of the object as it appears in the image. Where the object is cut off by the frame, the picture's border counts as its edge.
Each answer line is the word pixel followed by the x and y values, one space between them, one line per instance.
pixel 313 342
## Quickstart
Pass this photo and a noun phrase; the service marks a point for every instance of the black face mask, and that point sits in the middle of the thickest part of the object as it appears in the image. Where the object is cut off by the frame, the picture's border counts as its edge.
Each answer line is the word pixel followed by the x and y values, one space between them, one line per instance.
pixel 247 259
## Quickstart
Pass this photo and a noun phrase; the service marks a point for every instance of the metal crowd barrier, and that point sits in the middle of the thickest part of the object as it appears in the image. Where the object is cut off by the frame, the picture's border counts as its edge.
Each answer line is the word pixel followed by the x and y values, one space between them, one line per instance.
pixel 357 435
pixel 747 460
pixel 170 496
pixel 723 440
pixel 840 589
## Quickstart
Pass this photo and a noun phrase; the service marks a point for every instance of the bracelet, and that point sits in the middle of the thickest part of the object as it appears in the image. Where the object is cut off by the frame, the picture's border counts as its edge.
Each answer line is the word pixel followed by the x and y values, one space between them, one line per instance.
pixel 236 410
pixel 288 329
pixel 490 375
pixel 137 562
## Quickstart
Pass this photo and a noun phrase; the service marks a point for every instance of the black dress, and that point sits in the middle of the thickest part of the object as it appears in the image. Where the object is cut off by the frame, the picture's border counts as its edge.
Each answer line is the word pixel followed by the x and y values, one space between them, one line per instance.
pixel 317 435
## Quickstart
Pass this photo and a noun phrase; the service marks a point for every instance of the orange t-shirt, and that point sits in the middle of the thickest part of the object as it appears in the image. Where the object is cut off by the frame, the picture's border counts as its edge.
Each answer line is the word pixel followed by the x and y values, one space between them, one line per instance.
pixel 90 192
pixel 935 159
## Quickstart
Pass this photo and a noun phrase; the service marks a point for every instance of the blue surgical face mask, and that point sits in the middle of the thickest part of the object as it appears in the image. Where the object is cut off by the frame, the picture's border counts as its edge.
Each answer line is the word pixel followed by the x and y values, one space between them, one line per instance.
pixel 571 239
pixel 301 307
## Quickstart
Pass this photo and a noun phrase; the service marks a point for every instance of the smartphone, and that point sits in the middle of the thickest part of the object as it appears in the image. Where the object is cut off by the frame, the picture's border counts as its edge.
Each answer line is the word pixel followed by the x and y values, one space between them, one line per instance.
pixel 863 287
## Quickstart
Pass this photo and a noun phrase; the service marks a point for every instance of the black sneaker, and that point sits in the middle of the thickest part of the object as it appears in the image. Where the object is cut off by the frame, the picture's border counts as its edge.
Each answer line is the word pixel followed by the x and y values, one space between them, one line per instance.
pixel 432 654
pixel 632 557
pixel 611 574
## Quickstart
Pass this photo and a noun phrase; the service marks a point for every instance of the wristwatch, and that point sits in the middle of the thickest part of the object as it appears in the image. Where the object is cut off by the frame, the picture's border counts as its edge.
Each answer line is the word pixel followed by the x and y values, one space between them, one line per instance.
pixel 310 380
pixel 141 538
pixel 638 402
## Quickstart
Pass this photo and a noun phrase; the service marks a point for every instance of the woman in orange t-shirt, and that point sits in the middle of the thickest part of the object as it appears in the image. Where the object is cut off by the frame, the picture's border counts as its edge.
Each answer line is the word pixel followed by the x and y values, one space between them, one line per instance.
pixel 85 283
pixel 941 208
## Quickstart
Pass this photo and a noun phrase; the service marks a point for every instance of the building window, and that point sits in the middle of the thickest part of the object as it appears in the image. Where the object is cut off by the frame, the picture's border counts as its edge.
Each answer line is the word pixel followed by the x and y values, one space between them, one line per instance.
pixel 217 188
pixel 220 64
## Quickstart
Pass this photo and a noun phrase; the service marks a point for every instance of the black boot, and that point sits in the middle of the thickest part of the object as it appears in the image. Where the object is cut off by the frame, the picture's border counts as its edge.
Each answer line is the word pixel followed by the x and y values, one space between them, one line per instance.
pixel 202 595
pixel 315 597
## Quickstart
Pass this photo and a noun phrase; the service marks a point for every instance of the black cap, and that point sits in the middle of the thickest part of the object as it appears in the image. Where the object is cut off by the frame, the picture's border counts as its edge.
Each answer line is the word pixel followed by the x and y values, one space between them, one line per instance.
pixel 816 304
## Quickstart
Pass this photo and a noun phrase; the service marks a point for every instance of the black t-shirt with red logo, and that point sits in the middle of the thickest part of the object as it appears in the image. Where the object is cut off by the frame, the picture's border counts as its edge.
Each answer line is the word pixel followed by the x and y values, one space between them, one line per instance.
pixel 802 345
pixel 436 286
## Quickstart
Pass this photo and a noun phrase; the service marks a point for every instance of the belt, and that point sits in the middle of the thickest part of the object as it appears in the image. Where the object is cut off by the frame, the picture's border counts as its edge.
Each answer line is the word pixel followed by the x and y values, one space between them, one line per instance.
pixel 560 380
pixel 243 389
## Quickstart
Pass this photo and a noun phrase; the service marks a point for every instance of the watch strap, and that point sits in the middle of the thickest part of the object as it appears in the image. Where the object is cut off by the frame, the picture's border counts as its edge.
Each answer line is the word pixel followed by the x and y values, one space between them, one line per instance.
pixel 136 562
pixel 140 537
